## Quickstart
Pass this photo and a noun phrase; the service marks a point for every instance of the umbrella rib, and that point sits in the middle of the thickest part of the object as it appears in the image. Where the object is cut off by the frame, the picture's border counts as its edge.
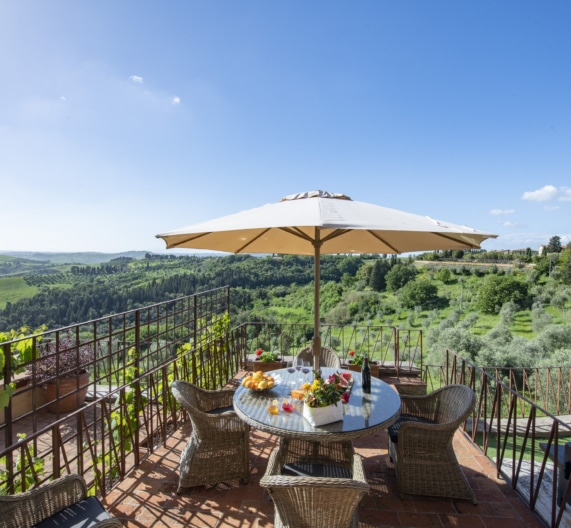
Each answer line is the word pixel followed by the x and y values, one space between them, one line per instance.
pixel 381 239
pixel 334 234
pixel 295 231
pixel 469 245
pixel 240 250
pixel 181 242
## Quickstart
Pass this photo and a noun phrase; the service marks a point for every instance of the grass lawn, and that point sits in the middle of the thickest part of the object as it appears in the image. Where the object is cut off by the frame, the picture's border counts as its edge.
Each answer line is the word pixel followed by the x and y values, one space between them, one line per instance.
pixel 13 289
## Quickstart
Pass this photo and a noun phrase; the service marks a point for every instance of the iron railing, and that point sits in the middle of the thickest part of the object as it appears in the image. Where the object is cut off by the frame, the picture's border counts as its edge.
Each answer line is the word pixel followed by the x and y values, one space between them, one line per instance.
pixel 396 351
pixel 137 354
pixel 132 358
pixel 518 431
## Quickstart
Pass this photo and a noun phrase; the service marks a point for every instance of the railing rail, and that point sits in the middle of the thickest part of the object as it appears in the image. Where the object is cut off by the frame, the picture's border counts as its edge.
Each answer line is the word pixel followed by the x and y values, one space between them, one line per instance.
pixel 393 349
pixel 514 431
pixel 132 357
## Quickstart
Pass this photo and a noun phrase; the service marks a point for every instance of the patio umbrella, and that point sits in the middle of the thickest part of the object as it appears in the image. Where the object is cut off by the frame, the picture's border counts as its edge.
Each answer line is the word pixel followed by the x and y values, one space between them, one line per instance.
pixel 318 223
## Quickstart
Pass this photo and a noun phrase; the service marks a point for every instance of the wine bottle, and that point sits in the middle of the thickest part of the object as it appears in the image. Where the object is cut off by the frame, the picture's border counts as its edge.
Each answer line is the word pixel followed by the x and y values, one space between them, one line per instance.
pixel 366 374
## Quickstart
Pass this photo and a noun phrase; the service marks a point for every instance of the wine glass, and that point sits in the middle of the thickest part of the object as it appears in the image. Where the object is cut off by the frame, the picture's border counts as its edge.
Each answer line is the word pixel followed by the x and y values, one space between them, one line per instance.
pixel 291 371
pixel 298 366
pixel 306 367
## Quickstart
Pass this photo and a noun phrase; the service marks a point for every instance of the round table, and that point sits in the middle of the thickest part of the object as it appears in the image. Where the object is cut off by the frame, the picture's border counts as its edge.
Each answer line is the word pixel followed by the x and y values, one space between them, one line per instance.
pixel 363 415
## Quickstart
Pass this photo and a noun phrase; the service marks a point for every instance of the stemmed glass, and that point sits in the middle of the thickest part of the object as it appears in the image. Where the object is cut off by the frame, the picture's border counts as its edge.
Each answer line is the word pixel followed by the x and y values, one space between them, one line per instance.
pixel 291 371
pixel 298 365
pixel 306 367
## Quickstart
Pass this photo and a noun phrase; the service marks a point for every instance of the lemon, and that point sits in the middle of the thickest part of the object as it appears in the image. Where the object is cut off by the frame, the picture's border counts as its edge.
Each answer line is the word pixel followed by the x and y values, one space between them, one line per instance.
pixel 263 385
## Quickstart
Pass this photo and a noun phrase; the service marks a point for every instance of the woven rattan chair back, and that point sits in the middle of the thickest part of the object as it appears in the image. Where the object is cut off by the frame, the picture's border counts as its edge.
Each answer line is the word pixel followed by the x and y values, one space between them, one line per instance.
pixel 423 452
pixel 327 358
pixel 24 510
pixel 218 448
pixel 314 502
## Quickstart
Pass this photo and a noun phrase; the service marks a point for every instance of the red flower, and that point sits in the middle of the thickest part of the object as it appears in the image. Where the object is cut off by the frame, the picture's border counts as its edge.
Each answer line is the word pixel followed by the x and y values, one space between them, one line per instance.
pixel 351 353
pixel 259 352
pixel 345 397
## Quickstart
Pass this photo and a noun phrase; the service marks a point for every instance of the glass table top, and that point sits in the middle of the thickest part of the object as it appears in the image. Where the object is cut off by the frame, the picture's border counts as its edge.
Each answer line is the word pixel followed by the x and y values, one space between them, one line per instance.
pixel 364 414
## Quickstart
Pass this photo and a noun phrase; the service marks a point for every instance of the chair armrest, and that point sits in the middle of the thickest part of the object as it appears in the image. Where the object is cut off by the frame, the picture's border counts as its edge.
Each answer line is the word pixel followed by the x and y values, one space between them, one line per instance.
pixel 359 470
pixel 31 507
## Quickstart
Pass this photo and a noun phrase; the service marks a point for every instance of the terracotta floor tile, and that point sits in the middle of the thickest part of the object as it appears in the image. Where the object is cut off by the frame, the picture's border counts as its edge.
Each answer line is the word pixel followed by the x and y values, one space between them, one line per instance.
pixel 418 520
pixel 461 521
pixel 148 498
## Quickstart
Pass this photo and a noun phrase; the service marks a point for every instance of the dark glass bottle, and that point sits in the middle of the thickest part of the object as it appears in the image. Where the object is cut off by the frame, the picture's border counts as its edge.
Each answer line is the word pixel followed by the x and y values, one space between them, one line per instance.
pixel 366 374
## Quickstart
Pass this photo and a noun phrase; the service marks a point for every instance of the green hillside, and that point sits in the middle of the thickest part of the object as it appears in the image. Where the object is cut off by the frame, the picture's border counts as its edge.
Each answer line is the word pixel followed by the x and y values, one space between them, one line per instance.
pixel 508 312
pixel 86 257
pixel 13 289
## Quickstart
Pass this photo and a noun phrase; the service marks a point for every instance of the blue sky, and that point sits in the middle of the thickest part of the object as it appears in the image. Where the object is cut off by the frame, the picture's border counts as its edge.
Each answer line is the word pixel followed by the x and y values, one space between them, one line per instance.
pixel 121 120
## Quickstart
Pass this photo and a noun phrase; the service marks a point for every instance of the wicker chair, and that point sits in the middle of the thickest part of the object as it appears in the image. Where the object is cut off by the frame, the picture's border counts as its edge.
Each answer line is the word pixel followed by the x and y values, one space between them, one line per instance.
pixel 218 448
pixel 27 509
pixel 327 358
pixel 420 443
pixel 328 501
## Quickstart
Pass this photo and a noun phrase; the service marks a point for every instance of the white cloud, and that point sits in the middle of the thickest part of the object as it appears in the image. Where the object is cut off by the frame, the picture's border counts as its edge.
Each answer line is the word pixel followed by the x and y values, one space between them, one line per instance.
pixel 136 79
pixel 62 99
pixel 175 100
pixel 513 225
pixel 498 212
pixel 551 207
pixel 566 194
pixel 549 192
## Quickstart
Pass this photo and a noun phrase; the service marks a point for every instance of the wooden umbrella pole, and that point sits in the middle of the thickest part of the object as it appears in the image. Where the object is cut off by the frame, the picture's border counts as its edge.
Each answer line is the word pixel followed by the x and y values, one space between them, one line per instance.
pixel 316 343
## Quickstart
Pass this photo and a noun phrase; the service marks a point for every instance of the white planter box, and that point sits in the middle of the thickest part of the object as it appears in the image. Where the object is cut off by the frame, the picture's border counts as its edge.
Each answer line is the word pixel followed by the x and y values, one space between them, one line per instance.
pixel 323 415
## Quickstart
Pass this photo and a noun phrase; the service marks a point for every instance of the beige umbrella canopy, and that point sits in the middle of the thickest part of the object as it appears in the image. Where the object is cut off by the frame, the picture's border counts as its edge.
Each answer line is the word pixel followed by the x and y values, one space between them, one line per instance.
pixel 319 223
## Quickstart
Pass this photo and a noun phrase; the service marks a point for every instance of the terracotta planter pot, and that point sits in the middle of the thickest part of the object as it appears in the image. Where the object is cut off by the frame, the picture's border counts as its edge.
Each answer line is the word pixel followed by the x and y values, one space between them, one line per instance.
pixel 357 368
pixel 266 366
pixel 70 391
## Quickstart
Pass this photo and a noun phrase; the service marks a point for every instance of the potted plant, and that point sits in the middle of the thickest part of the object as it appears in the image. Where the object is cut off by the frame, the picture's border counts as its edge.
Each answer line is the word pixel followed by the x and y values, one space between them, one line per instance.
pixel 322 399
pixel 355 363
pixel 62 369
pixel 266 361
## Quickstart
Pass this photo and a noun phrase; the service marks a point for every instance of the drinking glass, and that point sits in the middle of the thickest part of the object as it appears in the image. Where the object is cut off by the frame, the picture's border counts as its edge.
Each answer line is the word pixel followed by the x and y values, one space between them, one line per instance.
pixel 291 371
pixel 287 405
pixel 273 407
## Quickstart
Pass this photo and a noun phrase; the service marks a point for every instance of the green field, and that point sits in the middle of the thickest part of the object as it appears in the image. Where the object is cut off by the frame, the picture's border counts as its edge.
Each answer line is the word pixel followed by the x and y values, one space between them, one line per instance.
pixel 13 289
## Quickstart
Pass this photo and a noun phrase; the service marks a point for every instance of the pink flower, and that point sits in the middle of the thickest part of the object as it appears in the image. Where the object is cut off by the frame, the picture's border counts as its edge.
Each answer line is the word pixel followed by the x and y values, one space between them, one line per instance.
pixel 351 353
pixel 259 352
pixel 345 397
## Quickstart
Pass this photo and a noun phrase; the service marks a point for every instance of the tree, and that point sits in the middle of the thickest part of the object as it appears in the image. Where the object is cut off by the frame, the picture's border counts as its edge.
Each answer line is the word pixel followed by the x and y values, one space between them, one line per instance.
pixel 444 275
pixel 554 245
pixel 418 293
pixel 377 279
pixel 399 275
pixel 498 290
pixel 565 265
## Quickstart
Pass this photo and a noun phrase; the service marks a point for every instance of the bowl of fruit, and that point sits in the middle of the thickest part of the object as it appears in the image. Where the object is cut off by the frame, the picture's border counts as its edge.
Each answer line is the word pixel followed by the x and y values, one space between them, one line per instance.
pixel 258 381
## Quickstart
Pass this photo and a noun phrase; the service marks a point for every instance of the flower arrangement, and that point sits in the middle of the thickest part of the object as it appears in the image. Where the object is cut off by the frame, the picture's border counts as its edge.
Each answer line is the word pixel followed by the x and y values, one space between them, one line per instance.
pixel 266 357
pixel 322 393
pixel 67 359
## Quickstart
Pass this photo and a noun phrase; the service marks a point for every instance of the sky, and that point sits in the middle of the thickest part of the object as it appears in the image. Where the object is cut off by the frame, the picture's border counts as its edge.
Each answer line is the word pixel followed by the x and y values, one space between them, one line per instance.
pixel 122 120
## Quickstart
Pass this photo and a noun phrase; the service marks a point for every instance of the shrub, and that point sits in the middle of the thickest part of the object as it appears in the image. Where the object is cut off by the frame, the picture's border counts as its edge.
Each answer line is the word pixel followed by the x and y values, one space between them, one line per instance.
pixel 497 290
pixel 62 359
